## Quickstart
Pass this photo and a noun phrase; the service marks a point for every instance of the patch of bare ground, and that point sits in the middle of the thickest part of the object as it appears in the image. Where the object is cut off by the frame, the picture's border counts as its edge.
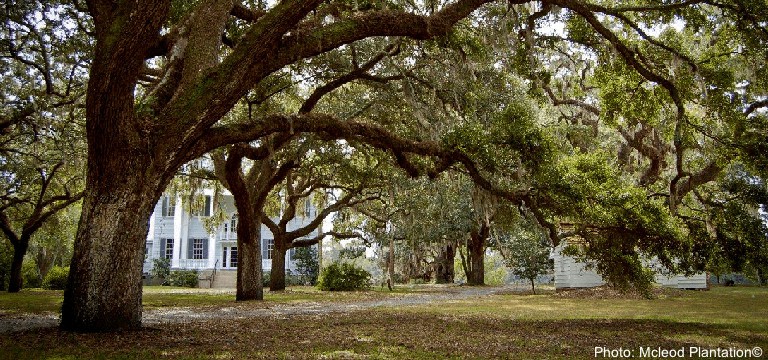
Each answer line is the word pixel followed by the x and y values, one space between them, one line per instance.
pixel 327 303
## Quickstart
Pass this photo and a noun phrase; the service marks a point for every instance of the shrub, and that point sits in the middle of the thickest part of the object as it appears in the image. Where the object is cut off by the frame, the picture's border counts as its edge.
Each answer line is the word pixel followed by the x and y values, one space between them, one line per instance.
pixel 30 274
pixel 295 280
pixel 265 277
pixel 344 277
pixel 183 278
pixel 161 268
pixel 56 279
pixel 291 279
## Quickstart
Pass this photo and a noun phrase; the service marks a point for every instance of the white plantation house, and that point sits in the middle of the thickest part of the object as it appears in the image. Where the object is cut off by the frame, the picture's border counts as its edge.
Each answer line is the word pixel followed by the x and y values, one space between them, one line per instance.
pixel 181 236
pixel 571 273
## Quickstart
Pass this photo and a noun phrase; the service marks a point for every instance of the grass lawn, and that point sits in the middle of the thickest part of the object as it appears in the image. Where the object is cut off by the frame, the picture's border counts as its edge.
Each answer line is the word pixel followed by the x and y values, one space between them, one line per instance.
pixel 498 326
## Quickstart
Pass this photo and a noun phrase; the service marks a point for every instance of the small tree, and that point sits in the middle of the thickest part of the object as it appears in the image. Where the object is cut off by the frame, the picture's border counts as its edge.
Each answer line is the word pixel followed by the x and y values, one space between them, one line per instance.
pixel 306 263
pixel 527 255
pixel 161 269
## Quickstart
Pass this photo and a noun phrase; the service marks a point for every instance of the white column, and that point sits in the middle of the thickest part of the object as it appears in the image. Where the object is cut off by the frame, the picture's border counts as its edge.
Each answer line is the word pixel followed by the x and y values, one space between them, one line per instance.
pixel 212 249
pixel 180 222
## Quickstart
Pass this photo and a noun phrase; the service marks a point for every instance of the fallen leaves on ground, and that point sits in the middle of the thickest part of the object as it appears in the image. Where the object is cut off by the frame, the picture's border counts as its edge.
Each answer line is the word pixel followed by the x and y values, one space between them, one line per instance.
pixel 369 334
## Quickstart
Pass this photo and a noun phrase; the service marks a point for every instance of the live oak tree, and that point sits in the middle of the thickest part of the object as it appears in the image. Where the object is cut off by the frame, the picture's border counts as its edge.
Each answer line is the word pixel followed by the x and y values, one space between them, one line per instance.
pixel 41 142
pixel 136 143
pixel 282 177
pixel 162 76
pixel 334 177
pixel 671 152
pixel 278 161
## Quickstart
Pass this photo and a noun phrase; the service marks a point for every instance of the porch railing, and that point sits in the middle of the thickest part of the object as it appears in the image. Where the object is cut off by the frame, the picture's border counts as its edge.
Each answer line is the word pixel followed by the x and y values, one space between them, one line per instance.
pixel 193 264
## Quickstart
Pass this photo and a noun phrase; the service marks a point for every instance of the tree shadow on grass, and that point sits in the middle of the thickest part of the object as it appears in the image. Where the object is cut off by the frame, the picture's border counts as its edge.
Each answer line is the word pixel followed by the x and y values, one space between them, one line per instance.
pixel 380 334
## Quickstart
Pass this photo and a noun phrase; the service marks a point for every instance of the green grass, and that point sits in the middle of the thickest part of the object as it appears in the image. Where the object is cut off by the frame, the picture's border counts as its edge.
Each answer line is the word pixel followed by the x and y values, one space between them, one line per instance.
pixel 742 307
pixel 31 301
pixel 500 326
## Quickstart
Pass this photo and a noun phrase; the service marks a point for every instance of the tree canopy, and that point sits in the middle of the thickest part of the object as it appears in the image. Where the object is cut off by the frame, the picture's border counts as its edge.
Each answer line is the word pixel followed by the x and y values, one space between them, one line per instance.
pixel 619 118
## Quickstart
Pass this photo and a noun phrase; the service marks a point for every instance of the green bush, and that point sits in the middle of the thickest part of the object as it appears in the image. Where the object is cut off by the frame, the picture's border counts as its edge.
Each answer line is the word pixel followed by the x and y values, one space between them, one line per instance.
pixel 56 279
pixel 30 274
pixel 265 277
pixel 161 268
pixel 290 278
pixel 183 278
pixel 295 280
pixel 344 277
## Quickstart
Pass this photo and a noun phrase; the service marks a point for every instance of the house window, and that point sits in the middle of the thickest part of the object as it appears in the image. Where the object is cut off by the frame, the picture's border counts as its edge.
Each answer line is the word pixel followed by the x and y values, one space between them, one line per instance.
pixel 168 251
pixel 308 208
pixel 205 210
pixel 147 250
pixel 270 248
pixel 233 257
pixel 198 249
pixel 169 206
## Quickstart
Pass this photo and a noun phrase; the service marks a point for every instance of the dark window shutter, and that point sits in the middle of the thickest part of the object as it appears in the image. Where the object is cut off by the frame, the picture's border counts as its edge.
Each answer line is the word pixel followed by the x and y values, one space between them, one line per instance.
pixel 162 249
pixel 205 248
pixel 207 210
pixel 190 248
pixel 164 211
pixel 224 257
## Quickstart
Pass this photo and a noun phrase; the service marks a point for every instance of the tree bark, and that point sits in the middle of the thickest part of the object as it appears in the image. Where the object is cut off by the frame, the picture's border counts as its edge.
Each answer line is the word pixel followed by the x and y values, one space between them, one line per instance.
pixel 127 172
pixel 444 273
pixel 248 205
pixel 16 280
pixel 476 252
pixel 249 263
pixel 277 274
pixel 104 286
pixel 391 264
pixel 249 272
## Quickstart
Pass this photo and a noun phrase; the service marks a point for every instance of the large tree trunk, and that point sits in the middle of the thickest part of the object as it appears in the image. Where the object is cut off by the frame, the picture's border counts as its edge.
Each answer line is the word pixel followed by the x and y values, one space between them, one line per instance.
pixel 476 254
pixel 104 286
pixel 127 171
pixel 444 272
pixel 19 251
pixel 277 274
pixel 391 264
pixel 249 271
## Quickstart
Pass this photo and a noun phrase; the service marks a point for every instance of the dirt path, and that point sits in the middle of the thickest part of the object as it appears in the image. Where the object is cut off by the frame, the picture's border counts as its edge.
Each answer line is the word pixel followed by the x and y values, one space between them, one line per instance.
pixel 253 310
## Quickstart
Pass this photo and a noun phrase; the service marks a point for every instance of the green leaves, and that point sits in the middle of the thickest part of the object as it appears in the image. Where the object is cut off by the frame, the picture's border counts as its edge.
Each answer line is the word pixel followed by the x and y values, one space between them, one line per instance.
pixel 618 222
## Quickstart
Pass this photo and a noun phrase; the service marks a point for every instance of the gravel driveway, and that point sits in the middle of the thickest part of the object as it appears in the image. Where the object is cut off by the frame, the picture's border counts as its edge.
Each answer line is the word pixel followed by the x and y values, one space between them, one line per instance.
pixel 152 317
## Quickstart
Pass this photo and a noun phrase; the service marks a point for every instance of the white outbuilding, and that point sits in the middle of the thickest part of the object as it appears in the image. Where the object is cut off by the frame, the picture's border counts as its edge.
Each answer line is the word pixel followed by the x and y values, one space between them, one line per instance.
pixel 571 273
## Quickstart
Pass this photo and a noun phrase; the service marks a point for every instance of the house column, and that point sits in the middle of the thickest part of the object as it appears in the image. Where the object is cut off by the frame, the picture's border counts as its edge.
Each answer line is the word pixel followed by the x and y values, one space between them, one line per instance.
pixel 180 223
pixel 212 250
